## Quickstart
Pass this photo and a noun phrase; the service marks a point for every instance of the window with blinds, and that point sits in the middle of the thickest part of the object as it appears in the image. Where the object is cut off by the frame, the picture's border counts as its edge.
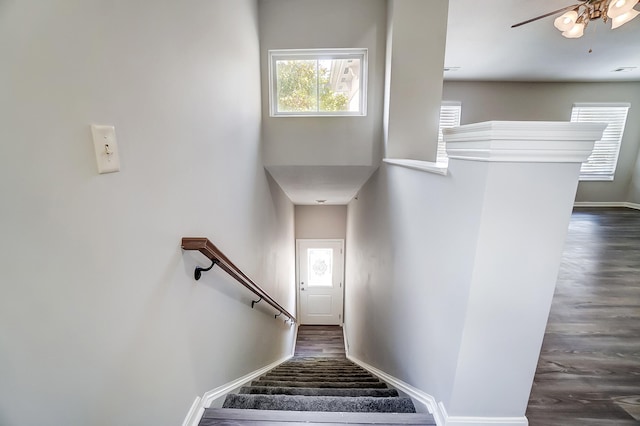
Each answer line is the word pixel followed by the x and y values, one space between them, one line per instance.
pixel 449 117
pixel 601 165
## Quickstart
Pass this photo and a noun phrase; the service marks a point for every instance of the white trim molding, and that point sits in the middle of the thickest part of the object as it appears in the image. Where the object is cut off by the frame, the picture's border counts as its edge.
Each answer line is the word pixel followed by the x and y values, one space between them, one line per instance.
pixel 523 141
pixel 424 166
pixel 624 204
pixel 423 398
pixel 428 402
pixel 480 421
pixel 201 403
pixel 195 413
pixel 438 410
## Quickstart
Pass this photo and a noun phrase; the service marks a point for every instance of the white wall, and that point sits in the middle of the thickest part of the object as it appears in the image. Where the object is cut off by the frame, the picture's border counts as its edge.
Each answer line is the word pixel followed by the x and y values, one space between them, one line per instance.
pixel 483 101
pixel 101 322
pixel 312 24
pixel 406 273
pixel 451 277
pixel 417 32
pixel 321 222
pixel 634 186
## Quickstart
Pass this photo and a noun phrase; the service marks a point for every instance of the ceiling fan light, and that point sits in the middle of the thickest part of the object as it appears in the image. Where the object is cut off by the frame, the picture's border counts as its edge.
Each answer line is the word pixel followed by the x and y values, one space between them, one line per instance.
pixel 566 21
pixel 620 7
pixel 576 31
pixel 624 18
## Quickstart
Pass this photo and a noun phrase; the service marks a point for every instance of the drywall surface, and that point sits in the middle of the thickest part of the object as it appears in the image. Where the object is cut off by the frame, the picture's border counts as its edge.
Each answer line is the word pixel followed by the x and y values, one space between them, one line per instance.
pixel 483 101
pixel 321 222
pixel 634 186
pixel 415 58
pixel 311 24
pixel 411 240
pixel 101 321
pixel 451 277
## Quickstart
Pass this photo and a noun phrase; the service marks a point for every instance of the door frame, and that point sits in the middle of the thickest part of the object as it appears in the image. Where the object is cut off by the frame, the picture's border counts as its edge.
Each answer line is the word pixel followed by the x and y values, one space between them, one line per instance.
pixel 297 266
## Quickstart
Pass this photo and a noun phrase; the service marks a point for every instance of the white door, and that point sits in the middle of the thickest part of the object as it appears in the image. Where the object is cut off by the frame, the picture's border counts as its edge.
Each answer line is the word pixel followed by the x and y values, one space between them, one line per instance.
pixel 320 278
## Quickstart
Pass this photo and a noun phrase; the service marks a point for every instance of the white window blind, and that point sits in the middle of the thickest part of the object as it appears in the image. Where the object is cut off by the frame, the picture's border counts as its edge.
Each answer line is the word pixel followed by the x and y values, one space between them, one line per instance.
pixel 601 165
pixel 449 117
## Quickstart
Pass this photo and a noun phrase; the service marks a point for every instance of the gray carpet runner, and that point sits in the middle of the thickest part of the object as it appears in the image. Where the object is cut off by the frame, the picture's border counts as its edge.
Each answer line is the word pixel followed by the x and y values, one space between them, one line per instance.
pixel 319 384
pixel 318 379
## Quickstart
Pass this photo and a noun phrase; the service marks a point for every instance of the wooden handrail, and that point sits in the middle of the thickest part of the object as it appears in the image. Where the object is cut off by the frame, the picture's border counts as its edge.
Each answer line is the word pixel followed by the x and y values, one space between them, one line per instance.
pixel 213 253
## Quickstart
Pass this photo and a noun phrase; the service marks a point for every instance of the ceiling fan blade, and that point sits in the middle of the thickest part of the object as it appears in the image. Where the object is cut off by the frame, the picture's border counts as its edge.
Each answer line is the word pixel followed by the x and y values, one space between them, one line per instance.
pixel 564 9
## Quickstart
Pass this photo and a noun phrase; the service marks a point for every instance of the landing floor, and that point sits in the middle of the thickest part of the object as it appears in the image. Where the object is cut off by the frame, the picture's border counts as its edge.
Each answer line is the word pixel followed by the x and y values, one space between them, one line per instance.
pixel 589 367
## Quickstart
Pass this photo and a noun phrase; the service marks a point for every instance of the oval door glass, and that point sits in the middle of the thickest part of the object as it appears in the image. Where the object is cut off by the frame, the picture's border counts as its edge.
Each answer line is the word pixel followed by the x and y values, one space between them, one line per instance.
pixel 320 267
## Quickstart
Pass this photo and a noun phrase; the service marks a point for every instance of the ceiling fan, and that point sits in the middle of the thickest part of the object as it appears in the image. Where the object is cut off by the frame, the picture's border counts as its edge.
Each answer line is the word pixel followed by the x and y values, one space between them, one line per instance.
pixel 577 16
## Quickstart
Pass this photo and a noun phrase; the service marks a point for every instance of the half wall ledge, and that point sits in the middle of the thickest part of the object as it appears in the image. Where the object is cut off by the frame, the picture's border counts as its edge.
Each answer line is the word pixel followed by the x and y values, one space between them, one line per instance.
pixel 523 141
pixel 424 166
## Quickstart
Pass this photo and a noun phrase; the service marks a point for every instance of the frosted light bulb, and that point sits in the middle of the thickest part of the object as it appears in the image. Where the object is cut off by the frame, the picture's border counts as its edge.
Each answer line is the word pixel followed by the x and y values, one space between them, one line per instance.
pixel 566 21
pixel 620 7
pixel 624 18
pixel 576 31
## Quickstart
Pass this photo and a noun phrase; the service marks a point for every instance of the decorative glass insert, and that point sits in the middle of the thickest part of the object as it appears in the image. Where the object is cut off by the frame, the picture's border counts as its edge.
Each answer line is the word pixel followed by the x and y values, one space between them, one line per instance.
pixel 317 82
pixel 320 267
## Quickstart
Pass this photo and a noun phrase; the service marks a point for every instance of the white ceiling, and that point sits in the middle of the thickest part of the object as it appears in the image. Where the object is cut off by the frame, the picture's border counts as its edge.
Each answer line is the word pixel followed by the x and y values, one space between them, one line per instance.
pixel 481 42
pixel 305 185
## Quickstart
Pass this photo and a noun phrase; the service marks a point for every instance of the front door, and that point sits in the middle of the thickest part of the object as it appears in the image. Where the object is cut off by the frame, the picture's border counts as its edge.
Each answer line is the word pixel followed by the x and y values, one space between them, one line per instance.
pixel 320 278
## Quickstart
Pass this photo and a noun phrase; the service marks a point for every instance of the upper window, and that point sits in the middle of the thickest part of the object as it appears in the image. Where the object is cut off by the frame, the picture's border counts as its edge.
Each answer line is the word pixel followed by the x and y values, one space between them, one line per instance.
pixel 601 165
pixel 449 117
pixel 317 82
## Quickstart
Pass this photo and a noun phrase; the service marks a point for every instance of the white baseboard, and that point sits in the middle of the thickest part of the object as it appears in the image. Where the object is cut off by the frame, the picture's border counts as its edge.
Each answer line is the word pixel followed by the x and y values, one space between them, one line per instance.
pixel 200 404
pixel 607 204
pixel 416 394
pixel 480 421
pixel 437 410
pixel 295 340
pixel 195 413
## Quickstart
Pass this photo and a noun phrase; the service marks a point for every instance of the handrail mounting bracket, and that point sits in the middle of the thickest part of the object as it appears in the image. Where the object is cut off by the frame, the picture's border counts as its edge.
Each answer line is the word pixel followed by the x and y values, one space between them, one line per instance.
pixel 198 272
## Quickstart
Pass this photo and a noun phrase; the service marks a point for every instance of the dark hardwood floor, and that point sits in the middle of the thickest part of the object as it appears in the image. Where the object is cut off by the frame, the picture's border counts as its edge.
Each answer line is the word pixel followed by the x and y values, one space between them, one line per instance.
pixel 589 368
pixel 320 341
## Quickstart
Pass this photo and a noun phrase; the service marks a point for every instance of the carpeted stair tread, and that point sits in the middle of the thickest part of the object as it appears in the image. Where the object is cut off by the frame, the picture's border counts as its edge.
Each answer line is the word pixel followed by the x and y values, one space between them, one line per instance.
pixel 336 378
pixel 319 403
pixel 304 359
pixel 319 384
pixel 281 390
pixel 321 381
pixel 296 368
pixel 352 374
pixel 311 365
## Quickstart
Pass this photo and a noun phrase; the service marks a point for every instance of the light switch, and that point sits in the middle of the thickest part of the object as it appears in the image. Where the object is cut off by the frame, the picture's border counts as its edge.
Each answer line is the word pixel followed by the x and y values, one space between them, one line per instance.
pixel 104 142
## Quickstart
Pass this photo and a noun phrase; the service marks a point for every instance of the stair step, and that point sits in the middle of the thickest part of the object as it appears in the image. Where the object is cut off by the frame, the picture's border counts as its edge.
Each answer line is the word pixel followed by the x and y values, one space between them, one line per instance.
pixel 333 378
pixel 336 364
pixel 311 367
pixel 320 403
pixel 283 390
pixel 316 375
pixel 319 384
pixel 230 416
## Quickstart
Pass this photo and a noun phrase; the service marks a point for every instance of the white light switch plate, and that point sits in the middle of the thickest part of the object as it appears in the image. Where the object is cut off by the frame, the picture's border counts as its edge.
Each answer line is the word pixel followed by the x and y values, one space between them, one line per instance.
pixel 104 142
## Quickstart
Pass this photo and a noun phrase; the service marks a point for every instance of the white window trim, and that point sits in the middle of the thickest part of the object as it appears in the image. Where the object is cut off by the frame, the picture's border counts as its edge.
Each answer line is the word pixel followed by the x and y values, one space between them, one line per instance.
pixel 442 159
pixel 609 145
pixel 299 54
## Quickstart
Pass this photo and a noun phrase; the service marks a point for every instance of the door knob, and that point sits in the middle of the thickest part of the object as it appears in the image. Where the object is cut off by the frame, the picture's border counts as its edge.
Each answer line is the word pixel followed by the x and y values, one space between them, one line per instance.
pixel 302 289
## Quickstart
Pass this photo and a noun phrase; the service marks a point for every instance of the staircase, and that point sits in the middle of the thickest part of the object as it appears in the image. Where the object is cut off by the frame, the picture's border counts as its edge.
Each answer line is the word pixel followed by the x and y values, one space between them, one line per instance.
pixel 318 386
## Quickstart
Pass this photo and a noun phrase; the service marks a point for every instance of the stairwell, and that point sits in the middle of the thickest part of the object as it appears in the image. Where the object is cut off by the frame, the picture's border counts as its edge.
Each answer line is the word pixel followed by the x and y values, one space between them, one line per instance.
pixel 318 386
